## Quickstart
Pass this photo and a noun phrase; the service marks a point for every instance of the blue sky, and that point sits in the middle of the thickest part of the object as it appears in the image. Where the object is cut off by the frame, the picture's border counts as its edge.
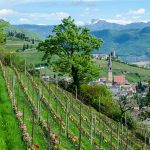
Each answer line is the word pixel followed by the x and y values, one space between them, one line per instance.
pixel 51 12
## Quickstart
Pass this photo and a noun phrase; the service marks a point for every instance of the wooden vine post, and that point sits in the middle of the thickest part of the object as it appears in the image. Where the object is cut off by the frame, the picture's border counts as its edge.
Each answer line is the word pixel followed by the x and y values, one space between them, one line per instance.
pixel 118 136
pixel 28 83
pixel 60 130
pixel 67 116
pixel 127 138
pixel 13 90
pixel 25 67
pixel 76 93
pixel 94 126
pixel 23 110
pixel 145 141
pixel 38 107
pixel 32 127
pixel 56 97
pixel 100 134
pixel 48 126
pixel 80 129
pixel 18 96
pixel 111 138
pixel 91 132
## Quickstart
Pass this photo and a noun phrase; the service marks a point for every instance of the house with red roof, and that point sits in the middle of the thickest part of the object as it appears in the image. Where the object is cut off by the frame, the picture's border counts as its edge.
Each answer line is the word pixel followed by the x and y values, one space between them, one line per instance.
pixel 119 79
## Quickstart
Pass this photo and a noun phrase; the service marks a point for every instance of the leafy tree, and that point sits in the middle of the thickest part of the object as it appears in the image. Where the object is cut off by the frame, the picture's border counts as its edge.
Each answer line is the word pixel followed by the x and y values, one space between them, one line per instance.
pixel 148 95
pixel 33 41
pixel 140 87
pixel 27 46
pixel 24 47
pixel 124 104
pixel 101 99
pixel 3 24
pixel 72 47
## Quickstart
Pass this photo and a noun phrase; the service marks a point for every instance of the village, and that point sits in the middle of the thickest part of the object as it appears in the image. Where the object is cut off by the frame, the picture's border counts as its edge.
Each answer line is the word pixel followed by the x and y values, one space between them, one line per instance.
pixel 120 86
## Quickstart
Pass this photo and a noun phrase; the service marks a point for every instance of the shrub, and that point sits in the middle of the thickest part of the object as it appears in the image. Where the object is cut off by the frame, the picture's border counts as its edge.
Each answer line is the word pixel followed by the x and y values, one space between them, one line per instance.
pixel 95 94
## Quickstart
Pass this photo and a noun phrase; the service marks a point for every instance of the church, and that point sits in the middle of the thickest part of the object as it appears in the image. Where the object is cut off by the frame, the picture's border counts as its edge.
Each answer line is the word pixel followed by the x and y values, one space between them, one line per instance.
pixel 116 79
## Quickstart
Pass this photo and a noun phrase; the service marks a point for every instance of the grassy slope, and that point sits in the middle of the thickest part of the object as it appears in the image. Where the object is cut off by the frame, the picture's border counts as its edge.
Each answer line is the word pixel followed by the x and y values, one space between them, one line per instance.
pixel 65 142
pixel 14 44
pixel 133 74
pixel 117 67
pixel 39 137
pixel 10 134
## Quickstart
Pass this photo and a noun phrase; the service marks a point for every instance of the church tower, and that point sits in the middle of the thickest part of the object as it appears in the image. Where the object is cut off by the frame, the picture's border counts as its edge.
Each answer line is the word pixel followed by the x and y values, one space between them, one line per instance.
pixel 110 78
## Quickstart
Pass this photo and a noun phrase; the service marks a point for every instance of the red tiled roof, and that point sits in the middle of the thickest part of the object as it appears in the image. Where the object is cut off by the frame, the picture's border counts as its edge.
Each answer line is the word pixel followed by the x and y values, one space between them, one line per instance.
pixel 119 79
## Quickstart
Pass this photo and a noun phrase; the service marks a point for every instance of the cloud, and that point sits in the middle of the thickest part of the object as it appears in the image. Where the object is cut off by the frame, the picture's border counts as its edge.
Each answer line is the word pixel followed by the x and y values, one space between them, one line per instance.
pixel 137 12
pixel 95 0
pixel 118 16
pixel 59 15
pixel 79 23
pixel 7 12
pixel 88 11
pixel 119 21
pixel 24 20
pixel 84 2
pixel 50 16
pixel 132 15
pixel 22 17
pixel 23 1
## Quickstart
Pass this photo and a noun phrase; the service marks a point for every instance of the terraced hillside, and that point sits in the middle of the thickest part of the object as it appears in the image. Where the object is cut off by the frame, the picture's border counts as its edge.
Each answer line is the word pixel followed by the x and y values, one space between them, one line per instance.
pixel 51 118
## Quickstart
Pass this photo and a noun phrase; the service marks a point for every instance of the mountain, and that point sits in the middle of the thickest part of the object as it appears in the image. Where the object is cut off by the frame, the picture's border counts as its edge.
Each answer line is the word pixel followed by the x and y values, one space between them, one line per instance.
pixel 131 41
pixel 42 30
pixel 131 45
pixel 14 29
pixel 45 30
pixel 102 25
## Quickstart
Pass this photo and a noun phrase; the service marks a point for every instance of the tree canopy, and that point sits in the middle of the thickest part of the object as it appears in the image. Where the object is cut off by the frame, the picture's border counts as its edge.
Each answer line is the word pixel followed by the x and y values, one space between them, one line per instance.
pixel 3 24
pixel 69 50
pixel 148 94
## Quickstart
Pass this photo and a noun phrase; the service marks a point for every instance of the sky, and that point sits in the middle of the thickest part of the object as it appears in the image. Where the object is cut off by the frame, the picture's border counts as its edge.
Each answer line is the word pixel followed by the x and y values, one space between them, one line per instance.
pixel 51 12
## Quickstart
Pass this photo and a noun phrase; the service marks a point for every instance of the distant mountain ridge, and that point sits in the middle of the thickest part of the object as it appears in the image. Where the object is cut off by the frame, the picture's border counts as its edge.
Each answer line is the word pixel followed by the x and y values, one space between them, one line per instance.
pixel 42 30
pixel 131 45
pixel 45 30
pixel 102 25
pixel 131 41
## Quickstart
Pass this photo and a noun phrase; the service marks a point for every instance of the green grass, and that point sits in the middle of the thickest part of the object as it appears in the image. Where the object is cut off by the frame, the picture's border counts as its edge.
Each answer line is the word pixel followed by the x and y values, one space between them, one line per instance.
pixel 32 57
pixel 72 126
pixel 105 123
pixel 55 127
pixel 10 134
pixel 132 74
pixel 55 124
pixel 21 101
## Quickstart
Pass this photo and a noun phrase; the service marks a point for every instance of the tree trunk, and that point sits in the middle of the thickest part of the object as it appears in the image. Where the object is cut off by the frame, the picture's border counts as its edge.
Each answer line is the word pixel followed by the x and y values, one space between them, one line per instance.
pixel 75 76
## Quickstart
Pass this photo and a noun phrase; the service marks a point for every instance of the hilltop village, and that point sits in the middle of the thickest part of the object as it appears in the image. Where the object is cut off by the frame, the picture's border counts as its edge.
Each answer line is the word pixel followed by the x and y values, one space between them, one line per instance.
pixel 118 84
pixel 121 87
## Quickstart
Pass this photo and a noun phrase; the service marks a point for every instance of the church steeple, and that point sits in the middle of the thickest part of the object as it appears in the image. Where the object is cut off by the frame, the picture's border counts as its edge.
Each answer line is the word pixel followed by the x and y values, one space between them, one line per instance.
pixel 110 78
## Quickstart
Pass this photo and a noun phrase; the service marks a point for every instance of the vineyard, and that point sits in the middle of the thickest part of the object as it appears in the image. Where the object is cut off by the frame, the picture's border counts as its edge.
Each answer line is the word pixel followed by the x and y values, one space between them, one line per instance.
pixel 48 117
